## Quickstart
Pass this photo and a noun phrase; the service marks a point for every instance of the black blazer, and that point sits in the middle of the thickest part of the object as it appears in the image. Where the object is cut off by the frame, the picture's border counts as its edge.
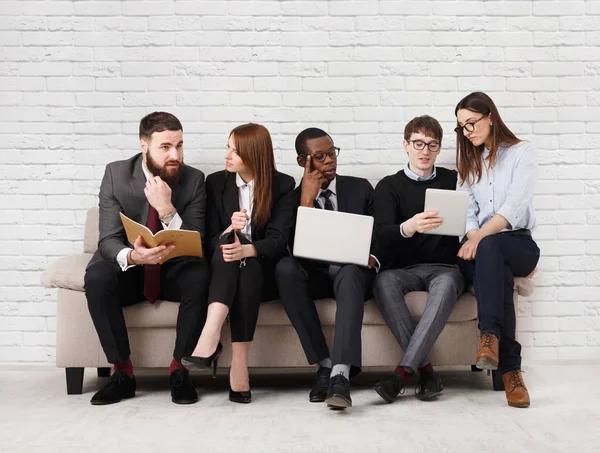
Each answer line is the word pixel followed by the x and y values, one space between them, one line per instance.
pixel 122 190
pixel 354 195
pixel 223 201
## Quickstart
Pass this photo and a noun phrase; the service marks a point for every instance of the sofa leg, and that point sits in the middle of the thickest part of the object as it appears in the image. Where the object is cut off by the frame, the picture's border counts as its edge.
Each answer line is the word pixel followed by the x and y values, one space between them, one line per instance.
pixel 74 381
pixel 497 380
pixel 475 369
pixel 104 372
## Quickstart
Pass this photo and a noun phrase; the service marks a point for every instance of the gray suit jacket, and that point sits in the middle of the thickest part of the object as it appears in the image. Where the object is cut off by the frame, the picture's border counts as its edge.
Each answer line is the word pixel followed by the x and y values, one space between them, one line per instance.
pixel 122 190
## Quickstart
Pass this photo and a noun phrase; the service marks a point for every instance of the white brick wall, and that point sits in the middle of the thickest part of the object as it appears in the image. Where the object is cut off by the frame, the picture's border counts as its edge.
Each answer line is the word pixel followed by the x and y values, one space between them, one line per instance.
pixel 76 77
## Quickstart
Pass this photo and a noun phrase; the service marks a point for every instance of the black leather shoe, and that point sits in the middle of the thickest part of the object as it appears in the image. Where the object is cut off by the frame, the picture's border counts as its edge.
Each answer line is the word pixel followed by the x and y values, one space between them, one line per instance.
pixel 118 388
pixel 430 385
pixel 182 390
pixel 338 394
pixel 240 397
pixel 390 387
pixel 319 391
pixel 204 363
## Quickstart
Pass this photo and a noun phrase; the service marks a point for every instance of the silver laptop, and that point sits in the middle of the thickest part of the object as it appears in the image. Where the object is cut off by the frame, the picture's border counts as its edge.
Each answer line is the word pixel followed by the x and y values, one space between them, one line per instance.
pixel 452 205
pixel 332 236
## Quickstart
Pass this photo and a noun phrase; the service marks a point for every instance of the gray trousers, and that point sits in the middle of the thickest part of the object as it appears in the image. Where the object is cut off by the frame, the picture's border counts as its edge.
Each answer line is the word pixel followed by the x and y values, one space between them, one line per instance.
pixel 443 282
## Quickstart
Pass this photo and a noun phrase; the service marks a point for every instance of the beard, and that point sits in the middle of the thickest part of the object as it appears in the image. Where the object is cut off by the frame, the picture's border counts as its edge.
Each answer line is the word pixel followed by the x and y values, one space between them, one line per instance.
pixel 169 175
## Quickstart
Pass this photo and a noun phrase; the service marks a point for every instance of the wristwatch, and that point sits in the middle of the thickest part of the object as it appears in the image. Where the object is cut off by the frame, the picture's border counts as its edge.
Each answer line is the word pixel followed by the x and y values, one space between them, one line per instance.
pixel 169 217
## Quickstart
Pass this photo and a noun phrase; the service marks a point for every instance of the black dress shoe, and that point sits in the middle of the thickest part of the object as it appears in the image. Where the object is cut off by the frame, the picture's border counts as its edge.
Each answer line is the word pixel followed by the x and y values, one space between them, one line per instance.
pixel 319 391
pixel 118 388
pixel 430 385
pixel 240 397
pixel 390 387
pixel 338 394
pixel 204 363
pixel 182 390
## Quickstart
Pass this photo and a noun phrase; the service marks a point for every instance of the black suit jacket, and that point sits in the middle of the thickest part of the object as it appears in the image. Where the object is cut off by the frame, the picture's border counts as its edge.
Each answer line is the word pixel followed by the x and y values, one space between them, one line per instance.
pixel 122 190
pixel 354 195
pixel 223 200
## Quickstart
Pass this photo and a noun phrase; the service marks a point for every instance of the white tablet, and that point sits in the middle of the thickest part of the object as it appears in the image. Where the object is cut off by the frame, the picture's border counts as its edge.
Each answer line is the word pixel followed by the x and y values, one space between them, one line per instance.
pixel 452 206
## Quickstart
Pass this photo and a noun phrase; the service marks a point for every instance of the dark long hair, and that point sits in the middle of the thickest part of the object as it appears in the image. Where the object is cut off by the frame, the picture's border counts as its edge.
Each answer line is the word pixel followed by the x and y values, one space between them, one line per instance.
pixel 254 145
pixel 468 156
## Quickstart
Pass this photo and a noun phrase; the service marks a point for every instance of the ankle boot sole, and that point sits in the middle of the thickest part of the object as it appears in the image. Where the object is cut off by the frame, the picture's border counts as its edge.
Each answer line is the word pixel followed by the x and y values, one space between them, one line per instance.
pixel 519 405
pixel 485 363
pixel 105 403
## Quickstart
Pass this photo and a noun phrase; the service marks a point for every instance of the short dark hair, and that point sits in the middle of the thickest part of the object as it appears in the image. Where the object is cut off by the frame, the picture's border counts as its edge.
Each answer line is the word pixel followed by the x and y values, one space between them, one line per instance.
pixel 158 122
pixel 426 125
pixel 308 134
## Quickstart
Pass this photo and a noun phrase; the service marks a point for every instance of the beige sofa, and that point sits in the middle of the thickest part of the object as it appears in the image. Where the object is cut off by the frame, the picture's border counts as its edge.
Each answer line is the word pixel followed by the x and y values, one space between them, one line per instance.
pixel 276 345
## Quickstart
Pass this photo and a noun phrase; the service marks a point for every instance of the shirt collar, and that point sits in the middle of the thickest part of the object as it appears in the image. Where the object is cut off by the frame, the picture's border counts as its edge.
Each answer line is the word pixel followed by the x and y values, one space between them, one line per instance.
pixel 240 182
pixel 147 173
pixel 332 186
pixel 412 175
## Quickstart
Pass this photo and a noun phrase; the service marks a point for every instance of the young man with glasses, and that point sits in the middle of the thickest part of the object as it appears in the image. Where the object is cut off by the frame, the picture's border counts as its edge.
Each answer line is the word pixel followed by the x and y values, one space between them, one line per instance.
pixel 415 261
pixel 302 281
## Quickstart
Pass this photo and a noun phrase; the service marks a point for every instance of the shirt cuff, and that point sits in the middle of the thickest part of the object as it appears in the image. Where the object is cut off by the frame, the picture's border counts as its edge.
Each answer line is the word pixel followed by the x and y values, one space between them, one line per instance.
pixel 402 232
pixel 377 264
pixel 175 223
pixel 122 259
pixel 471 226
pixel 509 214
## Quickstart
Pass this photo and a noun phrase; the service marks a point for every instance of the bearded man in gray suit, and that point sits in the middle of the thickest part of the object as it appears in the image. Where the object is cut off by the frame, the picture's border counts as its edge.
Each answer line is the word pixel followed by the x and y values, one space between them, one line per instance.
pixel 154 188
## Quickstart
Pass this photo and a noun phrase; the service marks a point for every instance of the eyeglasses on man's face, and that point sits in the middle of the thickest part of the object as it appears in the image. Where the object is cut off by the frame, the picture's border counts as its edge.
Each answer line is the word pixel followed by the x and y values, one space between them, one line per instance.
pixel 333 153
pixel 469 126
pixel 420 145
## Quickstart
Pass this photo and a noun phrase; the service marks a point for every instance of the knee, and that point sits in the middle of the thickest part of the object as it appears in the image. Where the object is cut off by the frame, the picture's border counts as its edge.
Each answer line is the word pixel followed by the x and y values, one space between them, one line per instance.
pixel 383 281
pixel 449 284
pixel 489 244
pixel 287 269
pixel 100 275
pixel 349 271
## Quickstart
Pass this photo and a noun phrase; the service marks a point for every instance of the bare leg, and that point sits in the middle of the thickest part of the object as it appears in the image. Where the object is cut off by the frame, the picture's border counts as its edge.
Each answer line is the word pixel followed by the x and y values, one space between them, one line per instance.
pixel 239 379
pixel 211 333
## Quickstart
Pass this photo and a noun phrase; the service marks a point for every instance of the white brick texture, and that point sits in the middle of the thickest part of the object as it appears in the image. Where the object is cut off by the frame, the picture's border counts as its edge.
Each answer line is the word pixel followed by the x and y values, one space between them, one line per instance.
pixel 76 77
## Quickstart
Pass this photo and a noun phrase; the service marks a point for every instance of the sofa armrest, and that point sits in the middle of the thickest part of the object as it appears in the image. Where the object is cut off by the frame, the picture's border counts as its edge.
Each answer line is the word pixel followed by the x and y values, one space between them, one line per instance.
pixel 67 272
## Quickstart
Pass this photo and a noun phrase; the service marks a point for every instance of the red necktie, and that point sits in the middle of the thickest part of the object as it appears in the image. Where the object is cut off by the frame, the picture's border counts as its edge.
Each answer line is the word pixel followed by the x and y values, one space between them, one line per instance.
pixel 152 271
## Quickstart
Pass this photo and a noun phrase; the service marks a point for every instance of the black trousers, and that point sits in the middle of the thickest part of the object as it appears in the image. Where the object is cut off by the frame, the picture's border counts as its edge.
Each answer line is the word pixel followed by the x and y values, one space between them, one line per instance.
pixel 242 289
pixel 500 257
pixel 108 289
pixel 302 281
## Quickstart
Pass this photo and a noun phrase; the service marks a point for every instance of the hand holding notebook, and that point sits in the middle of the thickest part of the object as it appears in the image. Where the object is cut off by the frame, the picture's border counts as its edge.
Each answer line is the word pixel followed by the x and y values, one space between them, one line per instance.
pixel 187 243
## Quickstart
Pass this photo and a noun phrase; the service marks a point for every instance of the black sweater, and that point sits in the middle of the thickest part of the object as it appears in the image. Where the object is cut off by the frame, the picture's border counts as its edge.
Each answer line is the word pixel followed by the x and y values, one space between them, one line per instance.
pixel 397 199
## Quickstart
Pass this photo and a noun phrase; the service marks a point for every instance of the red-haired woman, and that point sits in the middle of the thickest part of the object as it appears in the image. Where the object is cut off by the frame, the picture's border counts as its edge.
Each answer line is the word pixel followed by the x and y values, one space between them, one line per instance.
pixel 246 237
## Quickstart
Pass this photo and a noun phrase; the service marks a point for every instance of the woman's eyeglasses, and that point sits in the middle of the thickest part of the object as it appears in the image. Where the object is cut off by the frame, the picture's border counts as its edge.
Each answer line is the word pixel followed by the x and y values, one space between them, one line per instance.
pixel 469 127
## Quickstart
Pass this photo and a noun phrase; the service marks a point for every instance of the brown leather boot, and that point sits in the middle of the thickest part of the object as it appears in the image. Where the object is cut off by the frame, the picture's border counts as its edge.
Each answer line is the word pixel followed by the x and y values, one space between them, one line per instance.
pixel 516 392
pixel 487 355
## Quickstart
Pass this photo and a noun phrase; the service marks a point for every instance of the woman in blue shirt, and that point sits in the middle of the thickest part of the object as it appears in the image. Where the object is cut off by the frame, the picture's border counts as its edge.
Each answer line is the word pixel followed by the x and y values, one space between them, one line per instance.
pixel 499 172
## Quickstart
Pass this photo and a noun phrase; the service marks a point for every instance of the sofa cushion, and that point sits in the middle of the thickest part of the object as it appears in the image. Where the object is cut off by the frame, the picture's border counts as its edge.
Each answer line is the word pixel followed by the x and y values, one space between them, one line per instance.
pixel 67 272
pixel 164 314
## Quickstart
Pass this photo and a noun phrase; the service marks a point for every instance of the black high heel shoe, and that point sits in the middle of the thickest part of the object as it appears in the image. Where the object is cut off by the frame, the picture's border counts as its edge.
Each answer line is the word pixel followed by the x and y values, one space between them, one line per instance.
pixel 204 363
pixel 244 397
pixel 240 397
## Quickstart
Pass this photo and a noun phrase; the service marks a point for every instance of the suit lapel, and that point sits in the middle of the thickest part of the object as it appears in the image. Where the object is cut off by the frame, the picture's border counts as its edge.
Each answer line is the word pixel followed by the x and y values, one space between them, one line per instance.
pixel 342 193
pixel 138 182
pixel 230 195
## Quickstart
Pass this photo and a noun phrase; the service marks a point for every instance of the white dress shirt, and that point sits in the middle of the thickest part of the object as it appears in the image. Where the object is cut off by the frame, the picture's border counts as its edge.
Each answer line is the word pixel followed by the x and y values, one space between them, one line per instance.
pixel 246 201
pixel 174 225
pixel 333 197
pixel 507 189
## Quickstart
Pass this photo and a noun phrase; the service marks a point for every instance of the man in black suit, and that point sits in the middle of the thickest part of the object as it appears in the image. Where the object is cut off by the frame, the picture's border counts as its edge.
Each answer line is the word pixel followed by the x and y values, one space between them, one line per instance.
pixel 301 281
pixel 157 189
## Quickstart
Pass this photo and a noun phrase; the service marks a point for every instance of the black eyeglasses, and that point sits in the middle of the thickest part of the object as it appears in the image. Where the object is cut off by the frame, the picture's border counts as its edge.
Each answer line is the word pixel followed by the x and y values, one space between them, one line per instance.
pixel 333 153
pixel 420 145
pixel 469 127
